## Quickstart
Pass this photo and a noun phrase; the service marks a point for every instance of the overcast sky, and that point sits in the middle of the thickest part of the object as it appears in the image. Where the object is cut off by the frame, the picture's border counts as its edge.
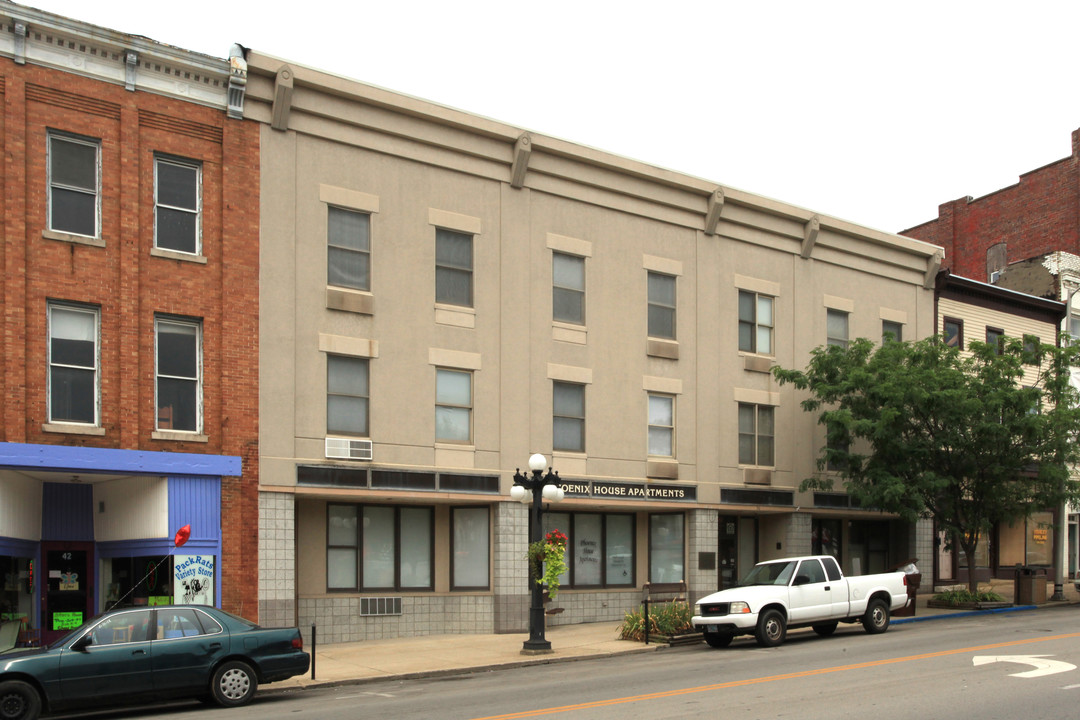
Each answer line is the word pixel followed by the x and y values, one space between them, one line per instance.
pixel 868 111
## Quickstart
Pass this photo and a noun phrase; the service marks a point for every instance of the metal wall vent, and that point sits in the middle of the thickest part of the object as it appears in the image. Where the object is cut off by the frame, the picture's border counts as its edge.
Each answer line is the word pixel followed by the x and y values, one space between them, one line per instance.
pixel 380 606
pixel 348 449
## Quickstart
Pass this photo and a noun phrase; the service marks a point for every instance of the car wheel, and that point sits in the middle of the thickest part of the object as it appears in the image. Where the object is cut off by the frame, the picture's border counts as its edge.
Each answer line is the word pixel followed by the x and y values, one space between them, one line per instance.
pixel 719 639
pixel 771 629
pixel 19 701
pixel 876 619
pixel 234 684
pixel 825 629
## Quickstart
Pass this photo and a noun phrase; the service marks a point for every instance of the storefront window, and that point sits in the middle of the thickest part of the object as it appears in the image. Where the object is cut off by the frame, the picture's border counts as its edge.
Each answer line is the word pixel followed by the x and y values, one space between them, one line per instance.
pixel 16 590
pixel 1040 539
pixel 666 548
pixel 392 545
pixel 471 549
pixel 601 551
pixel 982 554
pixel 132 581
pixel 825 538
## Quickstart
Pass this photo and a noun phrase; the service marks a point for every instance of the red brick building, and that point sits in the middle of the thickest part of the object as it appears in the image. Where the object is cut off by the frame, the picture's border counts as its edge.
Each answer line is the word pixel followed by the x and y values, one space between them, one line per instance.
pixel 130 290
pixel 1037 216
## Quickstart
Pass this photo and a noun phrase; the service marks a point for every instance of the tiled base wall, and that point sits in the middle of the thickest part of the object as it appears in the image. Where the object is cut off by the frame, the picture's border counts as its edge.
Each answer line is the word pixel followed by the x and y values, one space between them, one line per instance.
pixel 338 620
pixel 589 607
pixel 277 560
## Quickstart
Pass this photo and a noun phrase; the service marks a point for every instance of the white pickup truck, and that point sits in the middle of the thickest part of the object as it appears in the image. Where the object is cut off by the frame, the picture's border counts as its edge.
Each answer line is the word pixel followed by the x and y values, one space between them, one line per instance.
pixel 796 592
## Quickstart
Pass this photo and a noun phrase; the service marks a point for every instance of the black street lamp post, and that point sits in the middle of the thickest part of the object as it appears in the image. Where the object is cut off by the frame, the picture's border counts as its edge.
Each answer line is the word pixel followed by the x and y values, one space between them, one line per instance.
pixel 542 487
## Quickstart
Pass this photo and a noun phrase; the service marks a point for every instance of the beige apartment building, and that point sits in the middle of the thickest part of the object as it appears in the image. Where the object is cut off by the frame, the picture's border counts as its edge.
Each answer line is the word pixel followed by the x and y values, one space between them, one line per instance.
pixel 443 295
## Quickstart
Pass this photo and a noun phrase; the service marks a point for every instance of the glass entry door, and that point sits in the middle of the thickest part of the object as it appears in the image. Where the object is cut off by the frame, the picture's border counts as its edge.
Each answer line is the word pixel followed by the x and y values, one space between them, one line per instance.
pixel 68 587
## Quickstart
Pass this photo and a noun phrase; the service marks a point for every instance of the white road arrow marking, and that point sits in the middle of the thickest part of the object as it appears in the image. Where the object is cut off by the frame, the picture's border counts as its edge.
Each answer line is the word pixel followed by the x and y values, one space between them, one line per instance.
pixel 1042 666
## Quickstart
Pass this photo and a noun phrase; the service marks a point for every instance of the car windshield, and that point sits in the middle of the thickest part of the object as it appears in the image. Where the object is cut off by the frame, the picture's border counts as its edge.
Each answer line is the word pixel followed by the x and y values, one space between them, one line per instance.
pixel 775 573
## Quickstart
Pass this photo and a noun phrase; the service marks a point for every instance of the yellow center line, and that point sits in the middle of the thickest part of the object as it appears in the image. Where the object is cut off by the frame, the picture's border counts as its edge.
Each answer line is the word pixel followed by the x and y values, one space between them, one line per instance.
pixel 770 678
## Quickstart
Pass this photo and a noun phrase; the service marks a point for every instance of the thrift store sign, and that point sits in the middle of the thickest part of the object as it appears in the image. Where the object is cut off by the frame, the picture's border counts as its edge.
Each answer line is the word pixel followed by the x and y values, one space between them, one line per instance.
pixel 193 579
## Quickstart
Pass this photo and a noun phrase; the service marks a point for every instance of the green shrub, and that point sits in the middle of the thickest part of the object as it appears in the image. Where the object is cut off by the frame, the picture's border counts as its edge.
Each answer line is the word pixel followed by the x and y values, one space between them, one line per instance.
pixel 664 619
pixel 957 597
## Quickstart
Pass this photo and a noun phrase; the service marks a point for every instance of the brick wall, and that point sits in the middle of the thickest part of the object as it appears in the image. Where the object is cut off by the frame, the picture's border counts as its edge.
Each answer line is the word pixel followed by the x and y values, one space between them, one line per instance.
pixel 1038 215
pixel 130 286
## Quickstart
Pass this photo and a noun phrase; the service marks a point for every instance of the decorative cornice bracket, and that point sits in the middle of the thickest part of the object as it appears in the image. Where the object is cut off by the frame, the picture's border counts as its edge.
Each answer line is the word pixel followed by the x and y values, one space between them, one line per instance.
pixel 810 235
pixel 283 88
pixel 520 166
pixel 131 67
pixel 712 213
pixel 237 82
pixel 933 264
pixel 20 43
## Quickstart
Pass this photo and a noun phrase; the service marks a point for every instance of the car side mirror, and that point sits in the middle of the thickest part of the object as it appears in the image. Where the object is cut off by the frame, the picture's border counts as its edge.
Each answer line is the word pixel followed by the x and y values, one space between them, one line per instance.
pixel 802 580
pixel 82 643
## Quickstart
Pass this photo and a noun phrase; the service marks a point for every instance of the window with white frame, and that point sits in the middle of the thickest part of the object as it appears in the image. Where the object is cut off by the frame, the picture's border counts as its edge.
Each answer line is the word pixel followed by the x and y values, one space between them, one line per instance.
pixel 837 328
pixel 74 185
pixel 379 547
pixel 347 395
pixel 568 288
pixel 568 403
pixel 756 434
pixel 453 268
pixel 73 364
pixel 179 374
pixel 661 425
pixel 348 254
pixel 453 406
pixel 755 323
pixel 177 205
pixel 661 305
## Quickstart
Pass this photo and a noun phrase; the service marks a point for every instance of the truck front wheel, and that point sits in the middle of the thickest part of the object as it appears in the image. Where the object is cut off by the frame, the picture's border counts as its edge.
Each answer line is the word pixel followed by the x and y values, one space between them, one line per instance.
pixel 876 619
pixel 771 629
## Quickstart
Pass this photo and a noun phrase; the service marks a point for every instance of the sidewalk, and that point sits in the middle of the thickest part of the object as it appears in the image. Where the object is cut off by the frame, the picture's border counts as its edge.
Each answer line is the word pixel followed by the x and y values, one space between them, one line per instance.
pixel 434 655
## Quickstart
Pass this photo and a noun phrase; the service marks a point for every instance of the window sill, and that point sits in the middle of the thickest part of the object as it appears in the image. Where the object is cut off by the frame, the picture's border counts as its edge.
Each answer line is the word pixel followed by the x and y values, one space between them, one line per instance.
pixel 177 255
pixel 73 429
pixel 350 300
pixel 757 363
pixel 668 349
pixel 448 445
pixel 569 333
pixel 455 315
pixel 180 436
pixel 77 239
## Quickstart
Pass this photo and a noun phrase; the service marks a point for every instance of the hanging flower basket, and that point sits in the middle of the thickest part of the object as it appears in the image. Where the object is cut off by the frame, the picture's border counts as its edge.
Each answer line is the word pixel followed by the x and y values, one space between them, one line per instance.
pixel 547 561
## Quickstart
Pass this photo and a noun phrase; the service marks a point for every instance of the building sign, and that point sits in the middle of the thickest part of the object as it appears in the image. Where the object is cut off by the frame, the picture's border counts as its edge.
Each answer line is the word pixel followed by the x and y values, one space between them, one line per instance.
pixel 628 491
pixel 193 579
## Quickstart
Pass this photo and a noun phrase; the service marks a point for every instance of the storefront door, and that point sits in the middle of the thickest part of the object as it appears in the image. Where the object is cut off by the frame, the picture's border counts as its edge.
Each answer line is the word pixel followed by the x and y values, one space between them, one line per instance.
pixel 67 583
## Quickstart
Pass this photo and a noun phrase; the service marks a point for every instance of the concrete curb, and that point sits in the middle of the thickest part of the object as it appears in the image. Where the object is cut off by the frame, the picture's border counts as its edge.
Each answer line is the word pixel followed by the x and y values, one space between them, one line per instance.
pixel 963 613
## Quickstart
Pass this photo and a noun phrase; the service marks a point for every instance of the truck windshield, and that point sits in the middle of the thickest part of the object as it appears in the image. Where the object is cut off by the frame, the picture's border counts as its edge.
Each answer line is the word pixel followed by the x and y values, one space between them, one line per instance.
pixel 777 573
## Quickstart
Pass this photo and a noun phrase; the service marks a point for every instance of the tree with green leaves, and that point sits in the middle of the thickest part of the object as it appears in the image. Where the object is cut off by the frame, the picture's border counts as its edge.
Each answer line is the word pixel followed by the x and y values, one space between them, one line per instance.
pixel 921 429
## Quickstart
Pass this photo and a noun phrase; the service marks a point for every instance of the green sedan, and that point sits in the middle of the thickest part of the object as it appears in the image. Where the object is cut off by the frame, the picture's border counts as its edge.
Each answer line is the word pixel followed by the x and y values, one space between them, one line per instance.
pixel 136 655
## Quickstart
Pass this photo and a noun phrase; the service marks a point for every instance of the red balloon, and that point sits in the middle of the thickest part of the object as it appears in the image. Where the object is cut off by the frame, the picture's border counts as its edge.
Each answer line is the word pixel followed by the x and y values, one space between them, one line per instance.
pixel 182 535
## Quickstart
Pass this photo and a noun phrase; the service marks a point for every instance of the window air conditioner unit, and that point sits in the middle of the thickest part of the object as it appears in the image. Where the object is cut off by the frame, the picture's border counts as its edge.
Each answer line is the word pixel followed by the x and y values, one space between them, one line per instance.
pixel 348 449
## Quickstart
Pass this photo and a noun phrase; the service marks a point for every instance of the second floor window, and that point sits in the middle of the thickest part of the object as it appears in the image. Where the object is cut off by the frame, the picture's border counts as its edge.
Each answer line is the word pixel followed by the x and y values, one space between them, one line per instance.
pixel 661 306
pixel 453 406
pixel 453 268
pixel 568 404
pixel 177 205
pixel 954 332
pixel 755 323
pixel 347 395
pixel 179 382
pixel 74 182
pixel 662 425
pixel 568 288
pixel 348 253
pixel 756 435
pixel 73 364
pixel 892 330
pixel 995 338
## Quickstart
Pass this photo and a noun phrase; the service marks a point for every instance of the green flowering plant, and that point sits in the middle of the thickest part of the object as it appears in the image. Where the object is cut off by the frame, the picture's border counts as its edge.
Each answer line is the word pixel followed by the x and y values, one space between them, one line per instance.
pixel 547 561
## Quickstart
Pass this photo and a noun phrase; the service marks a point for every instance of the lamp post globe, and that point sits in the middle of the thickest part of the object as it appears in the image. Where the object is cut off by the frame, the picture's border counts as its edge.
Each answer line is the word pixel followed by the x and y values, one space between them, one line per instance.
pixel 537 462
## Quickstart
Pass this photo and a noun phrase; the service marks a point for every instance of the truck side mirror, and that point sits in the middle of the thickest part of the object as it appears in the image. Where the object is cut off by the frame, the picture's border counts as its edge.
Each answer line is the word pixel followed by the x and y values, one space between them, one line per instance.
pixel 802 580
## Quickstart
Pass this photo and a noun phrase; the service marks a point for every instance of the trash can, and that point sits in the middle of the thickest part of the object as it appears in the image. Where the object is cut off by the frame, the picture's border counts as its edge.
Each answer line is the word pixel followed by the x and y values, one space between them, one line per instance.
pixel 1030 585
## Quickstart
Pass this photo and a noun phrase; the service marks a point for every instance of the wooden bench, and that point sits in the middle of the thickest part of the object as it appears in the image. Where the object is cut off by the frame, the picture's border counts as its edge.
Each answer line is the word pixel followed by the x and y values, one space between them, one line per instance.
pixel 661 593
